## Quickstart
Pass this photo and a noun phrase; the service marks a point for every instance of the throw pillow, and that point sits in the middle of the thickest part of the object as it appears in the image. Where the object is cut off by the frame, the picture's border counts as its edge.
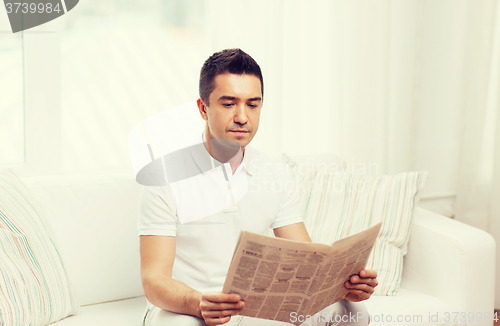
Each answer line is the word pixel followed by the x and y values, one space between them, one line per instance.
pixel 338 204
pixel 34 286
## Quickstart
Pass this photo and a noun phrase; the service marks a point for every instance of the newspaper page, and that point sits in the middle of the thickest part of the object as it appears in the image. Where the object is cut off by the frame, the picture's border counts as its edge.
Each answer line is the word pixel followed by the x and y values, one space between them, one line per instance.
pixel 276 277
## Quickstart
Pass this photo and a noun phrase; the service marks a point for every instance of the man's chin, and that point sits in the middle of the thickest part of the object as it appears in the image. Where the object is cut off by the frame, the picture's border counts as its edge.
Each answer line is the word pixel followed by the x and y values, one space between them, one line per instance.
pixel 243 143
pixel 243 140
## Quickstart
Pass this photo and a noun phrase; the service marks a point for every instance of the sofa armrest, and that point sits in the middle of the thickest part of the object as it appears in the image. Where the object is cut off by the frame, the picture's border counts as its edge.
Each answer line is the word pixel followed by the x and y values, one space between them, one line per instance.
pixel 451 261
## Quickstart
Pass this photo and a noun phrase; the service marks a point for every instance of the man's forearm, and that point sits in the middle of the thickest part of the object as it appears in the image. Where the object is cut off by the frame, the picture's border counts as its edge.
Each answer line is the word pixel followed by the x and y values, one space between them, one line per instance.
pixel 297 232
pixel 172 295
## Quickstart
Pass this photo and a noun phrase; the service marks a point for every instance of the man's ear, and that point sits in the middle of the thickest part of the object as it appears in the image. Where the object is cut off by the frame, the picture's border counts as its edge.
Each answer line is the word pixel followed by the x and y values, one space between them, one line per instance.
pixel 202 107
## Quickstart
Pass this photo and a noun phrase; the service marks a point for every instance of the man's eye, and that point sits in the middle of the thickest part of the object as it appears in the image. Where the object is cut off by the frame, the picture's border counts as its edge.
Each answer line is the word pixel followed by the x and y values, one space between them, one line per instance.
pixel 252 105
pixel 227 105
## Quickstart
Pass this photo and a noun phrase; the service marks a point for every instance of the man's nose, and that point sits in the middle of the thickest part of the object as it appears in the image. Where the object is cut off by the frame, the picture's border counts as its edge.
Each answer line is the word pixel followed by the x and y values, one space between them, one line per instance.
pixel 240 115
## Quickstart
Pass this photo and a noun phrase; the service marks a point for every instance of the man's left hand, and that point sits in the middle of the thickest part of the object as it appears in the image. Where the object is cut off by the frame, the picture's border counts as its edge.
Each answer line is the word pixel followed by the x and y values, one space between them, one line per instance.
pixel 361 286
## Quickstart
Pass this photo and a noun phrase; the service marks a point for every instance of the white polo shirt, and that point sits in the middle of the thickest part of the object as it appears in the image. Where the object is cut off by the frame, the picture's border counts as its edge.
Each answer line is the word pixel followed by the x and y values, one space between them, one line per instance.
pixel 266 197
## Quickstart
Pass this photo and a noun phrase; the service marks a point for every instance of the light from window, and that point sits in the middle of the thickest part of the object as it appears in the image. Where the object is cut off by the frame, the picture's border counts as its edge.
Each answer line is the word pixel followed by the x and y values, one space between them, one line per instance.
pixel 12 149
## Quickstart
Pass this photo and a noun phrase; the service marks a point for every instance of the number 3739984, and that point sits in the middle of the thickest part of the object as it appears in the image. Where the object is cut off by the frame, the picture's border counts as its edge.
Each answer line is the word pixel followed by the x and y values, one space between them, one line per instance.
pixel 25 8
pixel 456 316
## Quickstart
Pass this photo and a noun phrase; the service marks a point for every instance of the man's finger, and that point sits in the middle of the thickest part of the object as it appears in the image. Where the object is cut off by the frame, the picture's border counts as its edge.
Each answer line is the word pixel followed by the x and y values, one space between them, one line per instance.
pixel 368 273
pixel 227 306
pixel 220 297
pixel 361 295
pixel 359 286
pixel 217 321
pixel 220 313
pixel 371 281
pixel 209 305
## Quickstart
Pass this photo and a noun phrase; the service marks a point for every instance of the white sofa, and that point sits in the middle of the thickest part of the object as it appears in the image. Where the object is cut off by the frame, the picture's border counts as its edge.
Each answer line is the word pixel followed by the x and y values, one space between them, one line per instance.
pixel 449 266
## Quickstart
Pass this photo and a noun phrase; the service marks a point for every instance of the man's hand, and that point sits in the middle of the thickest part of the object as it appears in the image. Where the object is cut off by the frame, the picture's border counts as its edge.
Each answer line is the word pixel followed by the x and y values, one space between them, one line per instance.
pixel 361 286
pixel 217 307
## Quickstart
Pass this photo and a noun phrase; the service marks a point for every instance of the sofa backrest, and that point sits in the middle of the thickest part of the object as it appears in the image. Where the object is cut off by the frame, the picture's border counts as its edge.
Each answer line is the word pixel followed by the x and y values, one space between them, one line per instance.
pixel 94 219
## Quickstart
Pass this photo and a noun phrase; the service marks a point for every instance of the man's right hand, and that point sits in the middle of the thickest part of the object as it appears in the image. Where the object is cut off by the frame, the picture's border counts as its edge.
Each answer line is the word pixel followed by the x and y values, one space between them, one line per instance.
pixel 217 307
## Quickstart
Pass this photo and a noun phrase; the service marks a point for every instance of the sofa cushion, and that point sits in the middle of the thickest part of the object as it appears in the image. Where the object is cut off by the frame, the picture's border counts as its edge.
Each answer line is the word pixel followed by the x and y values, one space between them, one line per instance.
pixel 411 308
pixel 128 312
pixel 34 286
pixel 338 204
pixel 95 220
pixel 410 305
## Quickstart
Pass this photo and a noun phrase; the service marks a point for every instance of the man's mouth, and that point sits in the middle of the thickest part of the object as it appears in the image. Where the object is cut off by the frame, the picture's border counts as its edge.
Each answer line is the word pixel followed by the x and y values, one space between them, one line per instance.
pixel 239 131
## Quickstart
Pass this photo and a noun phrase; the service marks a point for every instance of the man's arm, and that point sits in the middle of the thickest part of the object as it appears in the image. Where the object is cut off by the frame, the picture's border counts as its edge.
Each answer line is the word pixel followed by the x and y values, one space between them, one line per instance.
pixel 296 231
pixel 157 260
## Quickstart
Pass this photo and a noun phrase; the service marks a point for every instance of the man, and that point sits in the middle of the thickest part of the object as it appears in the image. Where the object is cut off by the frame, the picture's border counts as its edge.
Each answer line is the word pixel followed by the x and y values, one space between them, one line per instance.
pixel 183 266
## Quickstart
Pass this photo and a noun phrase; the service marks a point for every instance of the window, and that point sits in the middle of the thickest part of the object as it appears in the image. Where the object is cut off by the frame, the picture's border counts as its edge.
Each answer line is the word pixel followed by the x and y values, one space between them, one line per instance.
pixel 12 137
pixel 122 61
pixel 76 85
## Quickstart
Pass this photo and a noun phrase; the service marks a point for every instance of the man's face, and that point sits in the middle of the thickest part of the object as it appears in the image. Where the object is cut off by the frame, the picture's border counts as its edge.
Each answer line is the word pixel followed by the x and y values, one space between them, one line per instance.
pixel 234 109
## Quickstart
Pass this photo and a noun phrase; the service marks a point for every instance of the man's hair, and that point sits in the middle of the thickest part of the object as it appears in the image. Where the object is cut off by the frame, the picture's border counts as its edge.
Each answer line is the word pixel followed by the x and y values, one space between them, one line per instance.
pixel 233 61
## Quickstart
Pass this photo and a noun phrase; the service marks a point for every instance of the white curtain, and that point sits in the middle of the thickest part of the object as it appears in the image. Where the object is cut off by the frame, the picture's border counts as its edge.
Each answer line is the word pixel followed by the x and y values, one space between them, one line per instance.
pixel 371 81
pixel 478 180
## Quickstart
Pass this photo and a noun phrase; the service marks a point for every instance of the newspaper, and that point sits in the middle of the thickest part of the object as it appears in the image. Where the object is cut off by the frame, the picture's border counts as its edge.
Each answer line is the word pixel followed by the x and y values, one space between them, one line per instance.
pixel 276 277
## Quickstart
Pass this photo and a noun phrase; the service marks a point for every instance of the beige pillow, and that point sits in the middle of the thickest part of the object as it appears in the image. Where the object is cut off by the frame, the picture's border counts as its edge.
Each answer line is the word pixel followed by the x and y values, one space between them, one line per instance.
pixel 337 205
pixel 34 287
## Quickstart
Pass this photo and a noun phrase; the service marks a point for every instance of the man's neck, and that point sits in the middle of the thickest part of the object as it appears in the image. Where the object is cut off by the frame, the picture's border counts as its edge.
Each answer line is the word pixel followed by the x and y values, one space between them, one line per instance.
pixel 235 161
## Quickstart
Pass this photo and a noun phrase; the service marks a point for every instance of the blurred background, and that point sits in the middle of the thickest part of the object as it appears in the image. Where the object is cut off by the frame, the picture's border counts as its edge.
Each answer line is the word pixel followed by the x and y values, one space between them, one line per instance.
pixel 401 85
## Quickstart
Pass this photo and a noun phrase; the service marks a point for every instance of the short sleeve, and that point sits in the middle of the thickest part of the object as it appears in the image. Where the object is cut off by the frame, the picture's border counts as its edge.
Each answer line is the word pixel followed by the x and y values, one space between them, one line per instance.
pixel 289 211
pixel 157 212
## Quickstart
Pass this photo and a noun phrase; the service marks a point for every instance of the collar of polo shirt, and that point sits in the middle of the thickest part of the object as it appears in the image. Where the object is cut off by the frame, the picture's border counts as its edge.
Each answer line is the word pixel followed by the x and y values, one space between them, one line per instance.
pixel 250 162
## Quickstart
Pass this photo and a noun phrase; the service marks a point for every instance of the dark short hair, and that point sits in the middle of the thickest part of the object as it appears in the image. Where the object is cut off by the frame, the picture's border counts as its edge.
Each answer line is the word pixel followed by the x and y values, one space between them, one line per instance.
pixel 233 61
